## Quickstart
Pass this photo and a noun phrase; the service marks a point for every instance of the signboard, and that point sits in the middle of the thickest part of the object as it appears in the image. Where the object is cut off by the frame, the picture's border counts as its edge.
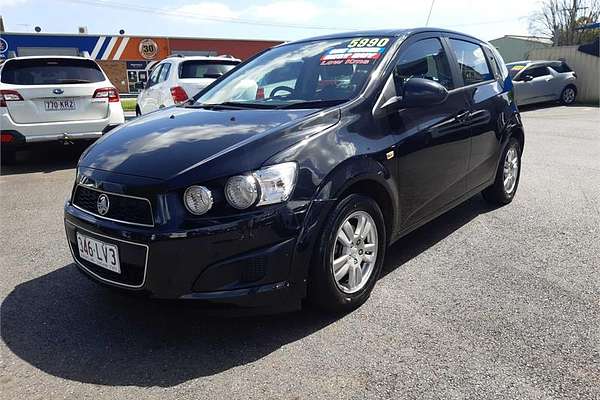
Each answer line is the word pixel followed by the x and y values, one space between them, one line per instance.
pixel 148 49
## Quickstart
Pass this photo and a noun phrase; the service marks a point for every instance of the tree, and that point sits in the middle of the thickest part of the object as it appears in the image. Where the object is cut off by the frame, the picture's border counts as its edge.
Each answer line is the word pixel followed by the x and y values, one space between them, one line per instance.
pixel 560 20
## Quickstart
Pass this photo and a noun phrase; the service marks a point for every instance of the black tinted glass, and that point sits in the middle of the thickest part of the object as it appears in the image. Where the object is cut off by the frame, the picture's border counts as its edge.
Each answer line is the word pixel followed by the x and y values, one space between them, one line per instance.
pixel 51 71
pixel 424 59
pixel 205 69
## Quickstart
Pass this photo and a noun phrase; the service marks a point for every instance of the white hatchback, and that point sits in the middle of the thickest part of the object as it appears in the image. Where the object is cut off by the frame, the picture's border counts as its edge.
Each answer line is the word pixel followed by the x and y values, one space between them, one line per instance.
pixel 54 98
pixel 178 78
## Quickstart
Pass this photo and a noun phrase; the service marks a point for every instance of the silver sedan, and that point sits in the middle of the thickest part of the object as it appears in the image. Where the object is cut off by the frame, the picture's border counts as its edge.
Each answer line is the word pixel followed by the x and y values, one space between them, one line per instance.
pixel 541 81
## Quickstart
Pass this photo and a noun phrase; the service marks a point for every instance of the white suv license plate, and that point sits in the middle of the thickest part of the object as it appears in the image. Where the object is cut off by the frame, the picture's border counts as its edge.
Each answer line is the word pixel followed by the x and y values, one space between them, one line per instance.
pixel 102 254
pixel 66 104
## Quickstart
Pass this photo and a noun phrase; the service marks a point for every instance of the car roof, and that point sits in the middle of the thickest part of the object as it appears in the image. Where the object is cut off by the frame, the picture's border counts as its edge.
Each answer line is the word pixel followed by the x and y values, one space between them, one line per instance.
pixel 48 56
pixel 385 32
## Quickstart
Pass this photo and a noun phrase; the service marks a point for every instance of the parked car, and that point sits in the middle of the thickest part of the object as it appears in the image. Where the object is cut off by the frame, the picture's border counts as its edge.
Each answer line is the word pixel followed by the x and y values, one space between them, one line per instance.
pixel 176 79
pixel 542 81
pixel 257 199
pixel 44 99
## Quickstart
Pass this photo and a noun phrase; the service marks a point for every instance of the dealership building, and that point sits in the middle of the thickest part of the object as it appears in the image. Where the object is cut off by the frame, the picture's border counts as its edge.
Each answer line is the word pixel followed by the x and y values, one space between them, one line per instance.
pixel 125 59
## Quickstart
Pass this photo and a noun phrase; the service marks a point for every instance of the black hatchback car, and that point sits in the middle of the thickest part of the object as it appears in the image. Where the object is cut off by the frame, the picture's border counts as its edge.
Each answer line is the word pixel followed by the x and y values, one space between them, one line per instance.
pixel 287 178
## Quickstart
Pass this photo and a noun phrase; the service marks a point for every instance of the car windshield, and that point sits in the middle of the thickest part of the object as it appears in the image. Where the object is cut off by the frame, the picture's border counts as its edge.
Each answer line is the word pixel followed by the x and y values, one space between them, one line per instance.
pixel 515 68
pixel 310 74
pixel 205 68
pixel 51 71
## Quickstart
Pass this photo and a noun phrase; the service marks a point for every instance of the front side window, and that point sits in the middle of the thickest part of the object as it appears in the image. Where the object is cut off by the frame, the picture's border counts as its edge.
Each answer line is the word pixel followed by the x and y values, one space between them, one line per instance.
pixel 536 72
pixel 334 70
pixel 471 61
pixel 51 71
pixel 424 59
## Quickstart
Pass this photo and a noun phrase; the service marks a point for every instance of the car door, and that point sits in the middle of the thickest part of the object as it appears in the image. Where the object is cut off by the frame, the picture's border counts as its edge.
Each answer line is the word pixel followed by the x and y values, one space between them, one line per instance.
pixel 431 143
pixel 534 84
pixel 483 87
pixel 147 99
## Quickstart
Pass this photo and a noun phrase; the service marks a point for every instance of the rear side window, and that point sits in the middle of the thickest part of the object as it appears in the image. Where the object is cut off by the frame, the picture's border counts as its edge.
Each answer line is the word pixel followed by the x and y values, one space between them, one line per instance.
pixel 424 59
pixel 164 72
pixel 51 71
pixel 471 61
pixel 560 67
pixel 205 68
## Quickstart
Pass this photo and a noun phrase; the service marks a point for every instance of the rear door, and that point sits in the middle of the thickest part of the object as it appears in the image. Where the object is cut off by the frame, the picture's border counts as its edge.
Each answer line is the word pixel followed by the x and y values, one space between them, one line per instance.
pixel 163 87
pixel 148 99
pixel 487 99
pixel 54 90
pixel 432 143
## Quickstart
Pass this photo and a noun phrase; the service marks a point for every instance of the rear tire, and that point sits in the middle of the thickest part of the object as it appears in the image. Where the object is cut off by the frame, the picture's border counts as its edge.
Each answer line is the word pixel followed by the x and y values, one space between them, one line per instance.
pixel 568 96
pixel 359 261
pixel 505 185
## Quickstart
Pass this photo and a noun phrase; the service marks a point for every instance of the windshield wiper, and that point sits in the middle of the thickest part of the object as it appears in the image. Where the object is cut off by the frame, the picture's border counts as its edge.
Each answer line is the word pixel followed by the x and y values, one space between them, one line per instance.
pixel 312 104
pixel 232 105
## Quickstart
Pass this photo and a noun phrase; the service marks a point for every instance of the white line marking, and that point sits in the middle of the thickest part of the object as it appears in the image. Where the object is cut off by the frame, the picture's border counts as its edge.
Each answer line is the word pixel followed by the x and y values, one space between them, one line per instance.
pixel 121 48
pixel 97 47
pixel 111 44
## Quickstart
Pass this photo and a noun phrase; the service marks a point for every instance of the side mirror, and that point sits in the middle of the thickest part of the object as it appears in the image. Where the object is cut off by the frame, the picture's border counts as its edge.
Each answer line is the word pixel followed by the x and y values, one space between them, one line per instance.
pixel 417 92
pixel 526 78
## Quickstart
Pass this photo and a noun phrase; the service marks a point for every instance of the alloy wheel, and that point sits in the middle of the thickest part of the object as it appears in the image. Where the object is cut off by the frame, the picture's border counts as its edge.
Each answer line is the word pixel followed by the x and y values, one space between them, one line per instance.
pixel 354 252
pixel 511 170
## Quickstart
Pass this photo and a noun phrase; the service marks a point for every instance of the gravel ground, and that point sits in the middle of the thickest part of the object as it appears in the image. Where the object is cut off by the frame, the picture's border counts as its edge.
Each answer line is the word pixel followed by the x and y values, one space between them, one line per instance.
pixel 479 304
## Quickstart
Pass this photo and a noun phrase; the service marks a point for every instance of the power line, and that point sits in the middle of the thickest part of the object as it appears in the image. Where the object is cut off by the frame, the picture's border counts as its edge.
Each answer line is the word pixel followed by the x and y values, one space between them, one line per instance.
pixel 429 15
pixel 158 11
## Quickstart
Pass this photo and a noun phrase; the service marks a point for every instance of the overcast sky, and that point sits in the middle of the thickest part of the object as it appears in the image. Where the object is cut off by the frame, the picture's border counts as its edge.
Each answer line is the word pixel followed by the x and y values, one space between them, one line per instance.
pixel 265 19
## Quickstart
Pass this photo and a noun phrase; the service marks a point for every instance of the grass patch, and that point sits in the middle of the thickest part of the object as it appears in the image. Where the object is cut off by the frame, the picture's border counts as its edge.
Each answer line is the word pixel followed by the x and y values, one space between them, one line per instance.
pixel 128 104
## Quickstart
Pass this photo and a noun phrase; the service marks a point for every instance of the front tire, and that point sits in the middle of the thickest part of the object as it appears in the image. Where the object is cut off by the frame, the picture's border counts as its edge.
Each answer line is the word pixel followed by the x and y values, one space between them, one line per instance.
pixel 568 96
pixel 349 257
pixel 504 188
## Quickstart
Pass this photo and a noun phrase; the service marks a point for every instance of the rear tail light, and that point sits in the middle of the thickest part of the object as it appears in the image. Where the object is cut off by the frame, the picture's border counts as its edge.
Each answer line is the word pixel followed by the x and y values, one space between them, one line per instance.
pixel 260 93
pixel 111 93
pixel 179 95
pixel 9 95
pixel 6 137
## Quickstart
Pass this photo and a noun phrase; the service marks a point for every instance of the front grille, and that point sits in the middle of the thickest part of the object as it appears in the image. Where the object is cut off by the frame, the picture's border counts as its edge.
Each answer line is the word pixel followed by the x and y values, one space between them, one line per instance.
pixel 122 208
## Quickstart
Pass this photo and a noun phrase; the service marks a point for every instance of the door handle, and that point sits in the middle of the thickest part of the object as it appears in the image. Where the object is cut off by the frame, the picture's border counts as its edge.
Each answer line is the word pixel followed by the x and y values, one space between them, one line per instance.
pixel 463 117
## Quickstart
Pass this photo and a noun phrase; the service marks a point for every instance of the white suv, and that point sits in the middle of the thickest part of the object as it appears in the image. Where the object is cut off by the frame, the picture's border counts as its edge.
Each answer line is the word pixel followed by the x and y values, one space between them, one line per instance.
pixel 53 98
pixel 177 78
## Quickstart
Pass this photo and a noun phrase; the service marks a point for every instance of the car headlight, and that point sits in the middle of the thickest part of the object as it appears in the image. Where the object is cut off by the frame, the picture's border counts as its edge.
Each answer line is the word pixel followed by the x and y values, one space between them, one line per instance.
pixel 270 185
pixel 241 191
pixel 198 200
pixel 276 183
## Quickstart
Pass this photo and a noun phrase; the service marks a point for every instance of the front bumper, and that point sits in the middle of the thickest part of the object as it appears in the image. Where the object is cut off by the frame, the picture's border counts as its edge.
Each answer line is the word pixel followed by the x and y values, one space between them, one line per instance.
pixel 256 260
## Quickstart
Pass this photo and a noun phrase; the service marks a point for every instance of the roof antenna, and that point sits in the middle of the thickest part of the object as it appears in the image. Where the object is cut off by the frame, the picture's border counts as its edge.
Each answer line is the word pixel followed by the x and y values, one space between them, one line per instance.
pixel 429 15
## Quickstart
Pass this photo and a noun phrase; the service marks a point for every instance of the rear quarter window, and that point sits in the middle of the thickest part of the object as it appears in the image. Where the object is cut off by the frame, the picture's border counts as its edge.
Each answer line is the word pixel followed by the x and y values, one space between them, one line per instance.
pixel 49 71
pixel 560 67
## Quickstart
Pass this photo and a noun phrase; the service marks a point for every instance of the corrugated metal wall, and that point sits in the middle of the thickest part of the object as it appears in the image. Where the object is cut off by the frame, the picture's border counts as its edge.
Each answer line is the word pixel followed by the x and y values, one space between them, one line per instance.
pixel 586 66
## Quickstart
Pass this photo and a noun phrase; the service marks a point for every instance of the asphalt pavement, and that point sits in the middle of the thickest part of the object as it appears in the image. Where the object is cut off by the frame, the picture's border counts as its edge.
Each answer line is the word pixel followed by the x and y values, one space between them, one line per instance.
pixel 481 303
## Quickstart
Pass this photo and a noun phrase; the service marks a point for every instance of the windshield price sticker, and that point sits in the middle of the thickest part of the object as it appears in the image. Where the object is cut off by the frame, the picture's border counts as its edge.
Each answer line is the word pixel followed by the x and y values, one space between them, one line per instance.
pixel 517 67
pixel 355 53
pixel 369 42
